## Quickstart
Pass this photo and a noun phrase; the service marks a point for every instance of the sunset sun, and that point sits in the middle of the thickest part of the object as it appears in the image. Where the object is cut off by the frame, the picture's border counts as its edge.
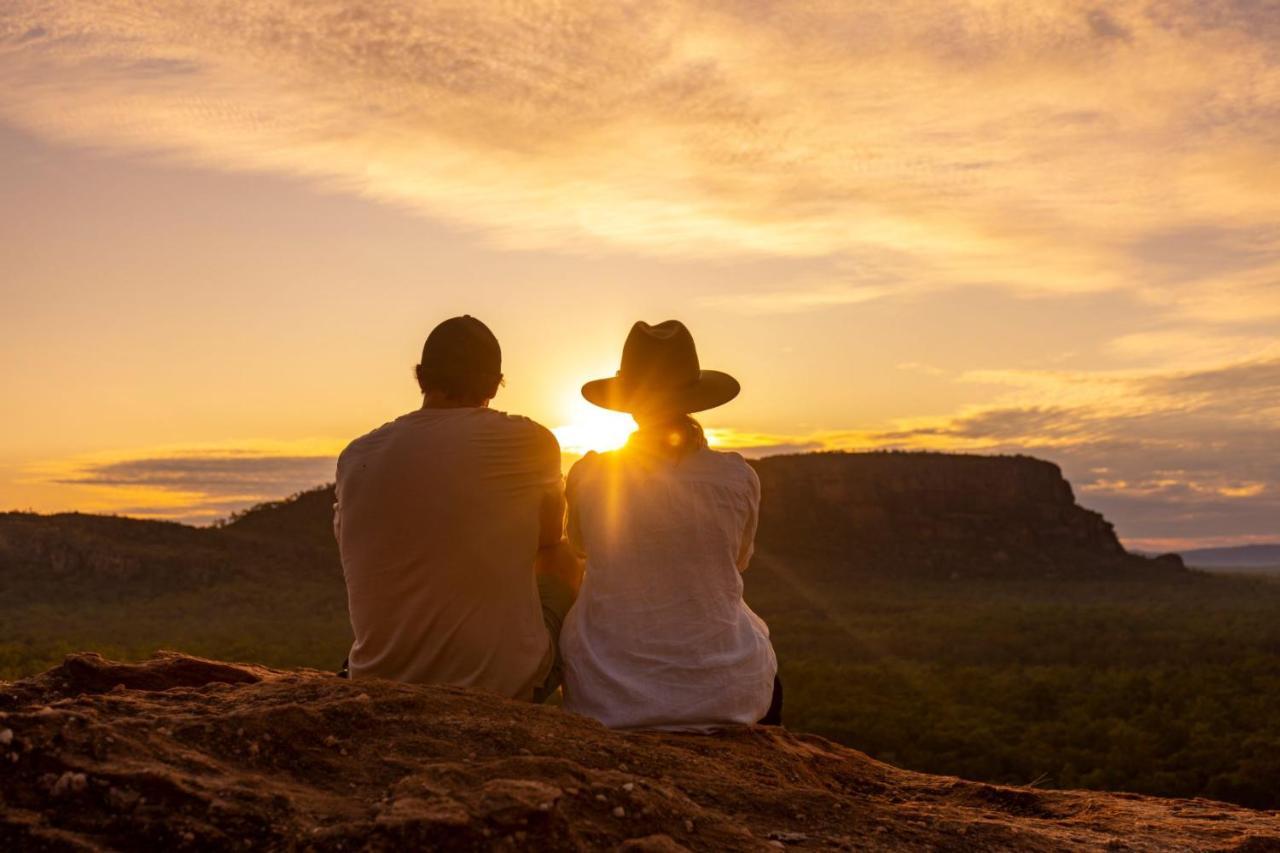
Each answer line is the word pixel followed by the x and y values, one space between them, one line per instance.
pixel 591 428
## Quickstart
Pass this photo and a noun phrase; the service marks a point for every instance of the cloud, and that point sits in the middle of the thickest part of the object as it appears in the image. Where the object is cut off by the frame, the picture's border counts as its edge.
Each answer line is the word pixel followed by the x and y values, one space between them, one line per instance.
pixel 1054 147
pixel 1171 457
pixel 1176 459
pixel 798 299
pixel 753 445
pixel 193 486
pixel 232 474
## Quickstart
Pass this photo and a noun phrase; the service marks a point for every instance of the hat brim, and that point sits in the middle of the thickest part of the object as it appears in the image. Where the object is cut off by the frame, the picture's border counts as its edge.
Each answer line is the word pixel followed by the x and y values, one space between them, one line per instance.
pixel 712 388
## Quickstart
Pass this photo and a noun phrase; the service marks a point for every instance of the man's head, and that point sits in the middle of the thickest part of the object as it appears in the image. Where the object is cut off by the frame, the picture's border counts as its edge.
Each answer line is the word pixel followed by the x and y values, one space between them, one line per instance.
pixel 461 362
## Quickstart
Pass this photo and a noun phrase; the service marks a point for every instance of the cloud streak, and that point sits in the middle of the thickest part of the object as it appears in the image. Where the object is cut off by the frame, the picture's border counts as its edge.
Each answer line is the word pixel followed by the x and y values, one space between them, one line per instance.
pixel 198 486
pixel 1176 459
pixel 1060 147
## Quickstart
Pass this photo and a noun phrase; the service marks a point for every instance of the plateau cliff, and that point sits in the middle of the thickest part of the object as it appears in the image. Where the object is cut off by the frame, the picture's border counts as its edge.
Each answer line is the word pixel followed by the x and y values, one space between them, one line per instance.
pixel 942 514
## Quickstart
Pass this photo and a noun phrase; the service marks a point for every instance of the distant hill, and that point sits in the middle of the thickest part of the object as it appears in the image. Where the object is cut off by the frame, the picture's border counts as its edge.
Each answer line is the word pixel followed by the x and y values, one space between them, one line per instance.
pixel 267 586
pixel 1243 558
pixel 937 514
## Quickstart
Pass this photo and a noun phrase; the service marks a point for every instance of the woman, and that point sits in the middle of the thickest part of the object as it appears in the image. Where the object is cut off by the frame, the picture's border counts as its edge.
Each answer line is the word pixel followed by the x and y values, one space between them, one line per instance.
pixel 660 636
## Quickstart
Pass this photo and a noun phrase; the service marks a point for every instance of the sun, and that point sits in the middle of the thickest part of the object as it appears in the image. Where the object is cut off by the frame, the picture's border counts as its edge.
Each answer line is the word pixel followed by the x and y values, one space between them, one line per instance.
pixel 592 428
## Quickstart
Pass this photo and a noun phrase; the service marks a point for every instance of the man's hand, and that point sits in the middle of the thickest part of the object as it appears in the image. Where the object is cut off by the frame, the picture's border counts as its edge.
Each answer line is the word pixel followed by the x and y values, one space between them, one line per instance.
pixel 559 561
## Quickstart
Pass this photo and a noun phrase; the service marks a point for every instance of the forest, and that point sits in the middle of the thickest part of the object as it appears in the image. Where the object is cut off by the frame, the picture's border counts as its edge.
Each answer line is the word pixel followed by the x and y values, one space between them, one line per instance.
pixel 1168 687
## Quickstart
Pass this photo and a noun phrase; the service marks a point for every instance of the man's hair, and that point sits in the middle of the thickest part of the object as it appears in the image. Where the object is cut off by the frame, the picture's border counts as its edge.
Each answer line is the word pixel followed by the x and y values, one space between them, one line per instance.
pixel 461 359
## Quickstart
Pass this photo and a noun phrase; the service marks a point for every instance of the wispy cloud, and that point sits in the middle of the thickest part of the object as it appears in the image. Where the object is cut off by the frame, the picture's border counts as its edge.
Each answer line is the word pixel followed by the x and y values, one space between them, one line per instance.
pixel 1176 458
pixel 230 474
pixel 1056 147
pixel 194 485
pixel 798 299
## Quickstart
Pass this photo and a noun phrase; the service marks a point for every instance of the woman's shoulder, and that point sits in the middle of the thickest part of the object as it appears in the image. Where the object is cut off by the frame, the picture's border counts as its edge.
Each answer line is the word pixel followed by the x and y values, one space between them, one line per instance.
pixel 585 468
pixel 731 467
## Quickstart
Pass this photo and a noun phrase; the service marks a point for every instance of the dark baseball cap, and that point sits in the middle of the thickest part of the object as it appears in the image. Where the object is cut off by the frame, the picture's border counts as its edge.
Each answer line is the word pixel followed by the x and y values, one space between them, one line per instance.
pixel 462 346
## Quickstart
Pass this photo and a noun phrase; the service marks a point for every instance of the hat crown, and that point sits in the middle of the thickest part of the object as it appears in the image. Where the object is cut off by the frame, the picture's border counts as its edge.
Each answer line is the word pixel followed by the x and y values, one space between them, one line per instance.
pixel 659 356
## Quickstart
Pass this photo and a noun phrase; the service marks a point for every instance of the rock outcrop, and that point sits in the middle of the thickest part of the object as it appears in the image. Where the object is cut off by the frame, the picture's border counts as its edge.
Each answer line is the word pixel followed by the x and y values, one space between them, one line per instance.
pixel 937 513
pixel 180 753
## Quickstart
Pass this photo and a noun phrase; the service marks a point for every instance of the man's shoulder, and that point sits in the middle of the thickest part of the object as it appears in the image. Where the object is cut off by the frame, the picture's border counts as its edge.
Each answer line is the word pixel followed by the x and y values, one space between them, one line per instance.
pixel 521 427
pixel 518 423
pixel 357 445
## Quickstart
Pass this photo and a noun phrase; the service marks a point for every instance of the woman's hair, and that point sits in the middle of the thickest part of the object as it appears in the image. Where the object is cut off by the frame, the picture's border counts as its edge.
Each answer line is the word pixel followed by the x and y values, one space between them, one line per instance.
pixel 673 436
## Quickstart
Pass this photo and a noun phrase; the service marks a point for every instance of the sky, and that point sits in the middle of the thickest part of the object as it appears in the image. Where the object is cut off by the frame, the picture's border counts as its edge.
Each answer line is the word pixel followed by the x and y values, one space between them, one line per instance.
pixel 1049 228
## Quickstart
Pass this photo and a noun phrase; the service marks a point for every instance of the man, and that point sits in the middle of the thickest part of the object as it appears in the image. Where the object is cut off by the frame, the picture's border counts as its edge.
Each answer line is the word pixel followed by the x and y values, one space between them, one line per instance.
pixel 450 520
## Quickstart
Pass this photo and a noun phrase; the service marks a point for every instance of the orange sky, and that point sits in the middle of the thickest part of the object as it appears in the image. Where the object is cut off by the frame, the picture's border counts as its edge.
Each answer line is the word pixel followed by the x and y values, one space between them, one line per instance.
pixel 1050 228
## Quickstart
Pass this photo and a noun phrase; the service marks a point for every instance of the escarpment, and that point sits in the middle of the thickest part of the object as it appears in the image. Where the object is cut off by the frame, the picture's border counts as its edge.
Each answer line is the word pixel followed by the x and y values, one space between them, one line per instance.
pixel 936 513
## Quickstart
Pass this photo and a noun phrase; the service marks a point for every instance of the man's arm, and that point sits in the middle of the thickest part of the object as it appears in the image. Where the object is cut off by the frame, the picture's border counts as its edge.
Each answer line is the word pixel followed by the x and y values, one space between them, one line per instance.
pixel 555 558
pixel 551 518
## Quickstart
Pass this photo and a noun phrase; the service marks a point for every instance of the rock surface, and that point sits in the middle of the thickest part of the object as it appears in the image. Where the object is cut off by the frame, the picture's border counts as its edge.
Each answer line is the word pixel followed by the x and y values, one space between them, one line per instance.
pixel 184 753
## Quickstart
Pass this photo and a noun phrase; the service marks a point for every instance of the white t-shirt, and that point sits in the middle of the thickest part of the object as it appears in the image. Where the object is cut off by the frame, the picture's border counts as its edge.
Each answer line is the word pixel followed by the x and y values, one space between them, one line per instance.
pixel 438 519
pixel 660 636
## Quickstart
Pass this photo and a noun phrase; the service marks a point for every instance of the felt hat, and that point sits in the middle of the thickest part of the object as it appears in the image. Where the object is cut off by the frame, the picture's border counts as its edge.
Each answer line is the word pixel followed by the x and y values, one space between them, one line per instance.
pixel 660 373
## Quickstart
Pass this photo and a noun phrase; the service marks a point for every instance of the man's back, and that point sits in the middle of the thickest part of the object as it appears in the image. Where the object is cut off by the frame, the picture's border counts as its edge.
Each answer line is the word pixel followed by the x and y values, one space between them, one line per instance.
pixel 438 523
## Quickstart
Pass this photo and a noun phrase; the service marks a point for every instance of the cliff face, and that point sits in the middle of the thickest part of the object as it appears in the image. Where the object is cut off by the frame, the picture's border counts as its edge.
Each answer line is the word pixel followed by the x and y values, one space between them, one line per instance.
pixel 935 512
pixel 187 754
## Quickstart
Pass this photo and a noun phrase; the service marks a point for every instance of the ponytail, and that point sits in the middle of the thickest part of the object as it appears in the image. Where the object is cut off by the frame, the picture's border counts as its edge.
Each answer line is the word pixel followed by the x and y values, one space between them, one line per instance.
pixel 673 438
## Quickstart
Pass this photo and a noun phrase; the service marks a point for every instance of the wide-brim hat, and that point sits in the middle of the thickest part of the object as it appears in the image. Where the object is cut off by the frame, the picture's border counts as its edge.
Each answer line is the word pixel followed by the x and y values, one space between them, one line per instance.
pixel 660 373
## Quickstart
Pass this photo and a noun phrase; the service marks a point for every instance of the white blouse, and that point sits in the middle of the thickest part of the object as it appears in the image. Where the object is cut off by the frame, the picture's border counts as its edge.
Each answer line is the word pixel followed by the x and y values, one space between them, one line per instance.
pixel 660 636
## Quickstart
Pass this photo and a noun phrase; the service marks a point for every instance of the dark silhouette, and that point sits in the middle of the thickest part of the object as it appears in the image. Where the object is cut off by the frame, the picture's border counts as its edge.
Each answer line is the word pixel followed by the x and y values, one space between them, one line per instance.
pixel 661 636
pixel 450 522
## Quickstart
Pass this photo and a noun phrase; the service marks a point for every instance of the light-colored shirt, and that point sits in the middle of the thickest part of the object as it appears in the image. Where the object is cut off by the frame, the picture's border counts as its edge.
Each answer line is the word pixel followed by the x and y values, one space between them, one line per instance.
pixel 438 525
pixel 660 636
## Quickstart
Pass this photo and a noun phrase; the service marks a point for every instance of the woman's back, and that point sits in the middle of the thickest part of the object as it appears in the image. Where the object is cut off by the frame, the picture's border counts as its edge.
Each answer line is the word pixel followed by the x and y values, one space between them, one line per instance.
pixel 660 635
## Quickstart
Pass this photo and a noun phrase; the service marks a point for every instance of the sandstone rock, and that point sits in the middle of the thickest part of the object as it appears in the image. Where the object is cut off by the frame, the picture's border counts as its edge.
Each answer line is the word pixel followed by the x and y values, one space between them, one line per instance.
pixel 947 515
pixel 440 768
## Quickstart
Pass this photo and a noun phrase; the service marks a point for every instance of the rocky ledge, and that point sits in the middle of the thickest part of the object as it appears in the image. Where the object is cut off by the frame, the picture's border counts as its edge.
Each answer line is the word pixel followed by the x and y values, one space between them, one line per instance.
pixel 183 753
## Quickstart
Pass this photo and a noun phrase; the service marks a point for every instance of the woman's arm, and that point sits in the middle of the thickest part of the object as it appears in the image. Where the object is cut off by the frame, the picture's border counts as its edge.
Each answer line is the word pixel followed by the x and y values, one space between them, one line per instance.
pixel 573 525
pixel 748 546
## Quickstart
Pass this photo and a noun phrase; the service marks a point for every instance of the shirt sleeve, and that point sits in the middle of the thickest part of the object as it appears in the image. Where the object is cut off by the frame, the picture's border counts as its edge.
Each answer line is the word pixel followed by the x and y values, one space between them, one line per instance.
pixel 546 454
pixel 748 545
pixel 572 496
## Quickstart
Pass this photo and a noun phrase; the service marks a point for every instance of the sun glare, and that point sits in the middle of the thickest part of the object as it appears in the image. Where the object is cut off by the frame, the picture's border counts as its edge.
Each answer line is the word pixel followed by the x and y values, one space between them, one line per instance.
pixel 594 429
